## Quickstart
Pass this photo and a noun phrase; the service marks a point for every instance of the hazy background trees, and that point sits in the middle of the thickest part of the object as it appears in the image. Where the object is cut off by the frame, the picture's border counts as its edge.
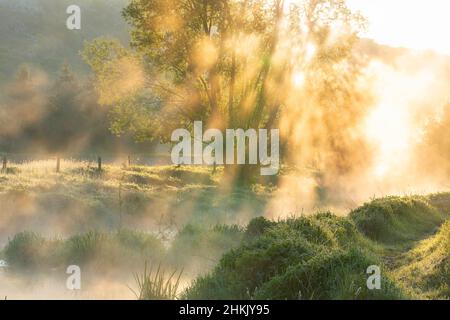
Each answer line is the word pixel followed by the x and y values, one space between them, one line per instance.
pixel 295 65
pixel 60 116
pixel 240 64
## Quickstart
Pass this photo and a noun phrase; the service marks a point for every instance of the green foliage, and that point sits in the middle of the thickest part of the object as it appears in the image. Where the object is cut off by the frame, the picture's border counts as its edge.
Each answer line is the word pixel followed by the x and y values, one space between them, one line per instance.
pixel 440 201
pixel 326 257
pixel 38 25
pixel 156 285
pixel 66 119
pixel 99 250
pixel 304 258
pixel 425 270
pixel 231 76
pixel 322 256
pixel 397 220
pixel 257 227
pixel 334 274
pixel 28 250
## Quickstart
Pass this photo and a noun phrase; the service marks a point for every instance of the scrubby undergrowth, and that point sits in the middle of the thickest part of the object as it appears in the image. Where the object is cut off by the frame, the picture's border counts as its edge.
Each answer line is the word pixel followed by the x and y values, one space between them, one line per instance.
pixel 425 270
pixel 326 257
pixel 316 257
pixel 195 249
pixel 397 220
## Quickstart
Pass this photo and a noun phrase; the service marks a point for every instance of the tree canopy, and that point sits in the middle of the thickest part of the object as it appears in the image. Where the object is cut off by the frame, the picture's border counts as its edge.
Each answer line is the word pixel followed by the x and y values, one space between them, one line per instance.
pixel 237 64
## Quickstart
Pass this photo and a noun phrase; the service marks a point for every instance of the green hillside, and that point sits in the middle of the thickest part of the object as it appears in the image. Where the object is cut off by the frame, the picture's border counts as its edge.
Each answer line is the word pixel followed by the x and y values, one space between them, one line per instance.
pixel 325 256
pixel 319 256
pixel 34 32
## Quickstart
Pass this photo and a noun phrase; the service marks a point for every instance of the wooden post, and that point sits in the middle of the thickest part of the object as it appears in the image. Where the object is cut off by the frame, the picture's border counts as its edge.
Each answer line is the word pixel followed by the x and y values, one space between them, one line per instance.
pixel 5 164
pixel 58 164
pixel 99 163
pixel 129 160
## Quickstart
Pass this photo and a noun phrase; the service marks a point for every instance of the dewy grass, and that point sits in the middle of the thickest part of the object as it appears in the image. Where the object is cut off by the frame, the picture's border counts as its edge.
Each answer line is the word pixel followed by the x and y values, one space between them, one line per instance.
pixel 157 285
pixel 425 270
pixel 264 260
pixel 397 220
pixel 103 251
pixel 326 257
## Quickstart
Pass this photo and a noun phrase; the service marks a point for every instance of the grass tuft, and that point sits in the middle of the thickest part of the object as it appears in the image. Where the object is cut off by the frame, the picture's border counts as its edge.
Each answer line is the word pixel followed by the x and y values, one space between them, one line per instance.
pixel 157 285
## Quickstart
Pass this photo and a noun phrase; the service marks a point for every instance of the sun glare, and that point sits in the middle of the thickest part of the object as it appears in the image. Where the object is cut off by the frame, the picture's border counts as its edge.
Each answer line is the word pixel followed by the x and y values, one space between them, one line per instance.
pixel 388 127
pixel 415 24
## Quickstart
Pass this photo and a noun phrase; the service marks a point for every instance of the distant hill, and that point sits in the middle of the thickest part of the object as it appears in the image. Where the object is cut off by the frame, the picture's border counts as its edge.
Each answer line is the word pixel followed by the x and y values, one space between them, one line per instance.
pixel 34 31
pixel 391 55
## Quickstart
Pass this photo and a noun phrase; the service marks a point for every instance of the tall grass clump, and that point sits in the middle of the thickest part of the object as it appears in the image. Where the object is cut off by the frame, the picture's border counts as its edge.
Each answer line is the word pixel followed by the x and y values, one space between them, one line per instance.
pixel 28 250
pixel 318 257
pixel 99 250
pixel 426 268
pixel 156 284
pixel 397 220
pixel 441 201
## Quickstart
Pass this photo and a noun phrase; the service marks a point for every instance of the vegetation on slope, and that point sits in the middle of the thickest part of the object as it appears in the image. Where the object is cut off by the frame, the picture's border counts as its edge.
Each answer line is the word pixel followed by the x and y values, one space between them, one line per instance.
pixel 315 257
pixel 124 248
pixel 194 249
pixel 326 257
pixel 163 199
pixel 35 31
pixel 425 270
pixel 396 220
pixel 318 257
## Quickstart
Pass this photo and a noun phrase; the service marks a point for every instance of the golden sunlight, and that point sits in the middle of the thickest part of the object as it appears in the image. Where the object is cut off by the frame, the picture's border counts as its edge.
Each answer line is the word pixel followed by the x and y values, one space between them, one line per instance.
pixel 415 24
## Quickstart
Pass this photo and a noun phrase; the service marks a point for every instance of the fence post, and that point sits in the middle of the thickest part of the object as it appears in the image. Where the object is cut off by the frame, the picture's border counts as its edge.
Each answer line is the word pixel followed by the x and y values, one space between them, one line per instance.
pixel 99 161
pixel 5 164
pixel 58 164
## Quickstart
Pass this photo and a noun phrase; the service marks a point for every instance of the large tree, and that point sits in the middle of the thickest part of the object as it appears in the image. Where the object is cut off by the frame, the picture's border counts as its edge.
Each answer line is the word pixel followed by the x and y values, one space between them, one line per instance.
pixel 235 64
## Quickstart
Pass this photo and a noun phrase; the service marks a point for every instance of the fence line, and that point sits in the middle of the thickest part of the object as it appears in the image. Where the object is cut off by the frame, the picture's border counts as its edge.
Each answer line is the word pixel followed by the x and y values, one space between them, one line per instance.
pixel 126 159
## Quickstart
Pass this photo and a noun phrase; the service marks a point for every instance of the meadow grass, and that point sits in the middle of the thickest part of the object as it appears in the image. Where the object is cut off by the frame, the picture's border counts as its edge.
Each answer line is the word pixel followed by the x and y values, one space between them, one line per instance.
pixel 156 284
pixel 326 257
pixel 189 194
pixel 322 256
pixel 425 270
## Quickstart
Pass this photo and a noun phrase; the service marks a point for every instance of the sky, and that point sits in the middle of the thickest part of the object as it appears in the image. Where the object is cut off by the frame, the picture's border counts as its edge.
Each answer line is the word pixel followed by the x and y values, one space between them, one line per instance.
pixel 416 24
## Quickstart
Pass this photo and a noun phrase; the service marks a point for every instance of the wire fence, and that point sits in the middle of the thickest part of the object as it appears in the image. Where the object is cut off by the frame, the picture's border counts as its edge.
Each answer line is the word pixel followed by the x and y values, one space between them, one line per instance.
pixel 124 159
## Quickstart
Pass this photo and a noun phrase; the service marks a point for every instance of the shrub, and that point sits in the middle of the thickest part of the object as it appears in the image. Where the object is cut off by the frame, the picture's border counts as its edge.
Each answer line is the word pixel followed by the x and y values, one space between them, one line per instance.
pixel 102 250
pixel 257 227
pixel 309 258
pixel 394 220
pixel 334 274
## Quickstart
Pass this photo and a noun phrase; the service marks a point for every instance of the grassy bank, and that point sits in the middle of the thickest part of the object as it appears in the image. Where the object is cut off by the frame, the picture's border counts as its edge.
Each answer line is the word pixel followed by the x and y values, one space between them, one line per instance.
pixel 80 199
pixel 316 257
pixel 115 220
pixel 326 257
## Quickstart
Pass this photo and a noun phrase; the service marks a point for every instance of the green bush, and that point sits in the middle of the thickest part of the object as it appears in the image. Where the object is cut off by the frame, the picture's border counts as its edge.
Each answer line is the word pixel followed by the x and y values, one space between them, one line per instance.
pixel 317 250
pixel 124 247
pixel 394 220
pixel 102 250
pixel 257 227
pixel 335 274
pixel 28 250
